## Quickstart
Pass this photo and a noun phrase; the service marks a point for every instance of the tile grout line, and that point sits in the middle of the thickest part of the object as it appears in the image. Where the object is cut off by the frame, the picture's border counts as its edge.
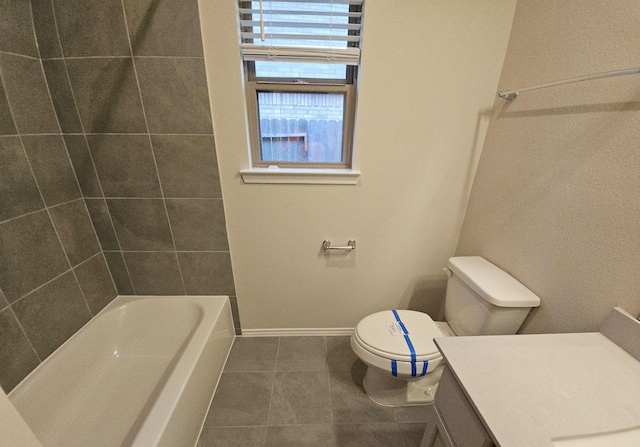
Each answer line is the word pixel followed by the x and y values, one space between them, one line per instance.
pixel 167 251
pixel 146 123
pixel 26 295
pixel 38 210
pixel 9 53
pixel 86 142
pixel 326 353
pixel 66 150
pixel 24 333
pixel 115 133
pixel 366 432
pixel 116 57
pixel 273 385
pixel 155 198
pixel 44 203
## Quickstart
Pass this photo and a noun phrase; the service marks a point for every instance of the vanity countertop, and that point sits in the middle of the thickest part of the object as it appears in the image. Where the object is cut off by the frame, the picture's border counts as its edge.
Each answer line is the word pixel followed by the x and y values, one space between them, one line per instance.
pixel 530 389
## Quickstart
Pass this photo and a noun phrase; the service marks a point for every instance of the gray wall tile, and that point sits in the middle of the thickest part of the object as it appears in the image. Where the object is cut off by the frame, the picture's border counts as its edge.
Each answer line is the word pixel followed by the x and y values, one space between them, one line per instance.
pixel 46 32
pixel 3 301
pixel 187 165
pixel 207 273
pixel 107 95
pixel 100 95
pixel 119 272
pixel 16 355
pixel 175 95
pixel 155 273
pixel 75 231
pixel 28 95
pixel 95 282
pixel 16 29
pixel 154 27
pixel 30 254
pixel 198 224
pixel 83 165
pixel 102 224
pixel 62 96
pixel 7 126
pixel 141 224
pixel 51 165
pixel 18 190
pixel 125 165
pixel 235 313
pixel 94 28
pixel 52 314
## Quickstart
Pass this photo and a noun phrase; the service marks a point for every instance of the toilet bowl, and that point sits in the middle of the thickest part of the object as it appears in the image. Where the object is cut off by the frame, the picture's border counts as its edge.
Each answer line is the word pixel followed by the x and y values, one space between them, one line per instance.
pixel 398 344
pixel 403 363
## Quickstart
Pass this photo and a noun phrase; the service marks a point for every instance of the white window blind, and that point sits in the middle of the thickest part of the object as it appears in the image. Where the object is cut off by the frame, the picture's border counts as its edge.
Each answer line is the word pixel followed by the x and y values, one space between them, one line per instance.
pixel 309 31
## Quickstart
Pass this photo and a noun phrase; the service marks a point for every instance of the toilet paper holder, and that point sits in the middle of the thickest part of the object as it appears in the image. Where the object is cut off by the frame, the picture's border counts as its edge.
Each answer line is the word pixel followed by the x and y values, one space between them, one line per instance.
pixel 351 245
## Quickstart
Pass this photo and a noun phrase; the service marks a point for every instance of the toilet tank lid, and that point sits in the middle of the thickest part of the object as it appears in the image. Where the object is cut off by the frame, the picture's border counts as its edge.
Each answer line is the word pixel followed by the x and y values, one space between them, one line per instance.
pixel 492 283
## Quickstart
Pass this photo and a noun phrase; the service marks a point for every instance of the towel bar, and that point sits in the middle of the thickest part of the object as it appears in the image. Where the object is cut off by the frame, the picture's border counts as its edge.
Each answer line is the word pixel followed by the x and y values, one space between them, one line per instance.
pixel 351 245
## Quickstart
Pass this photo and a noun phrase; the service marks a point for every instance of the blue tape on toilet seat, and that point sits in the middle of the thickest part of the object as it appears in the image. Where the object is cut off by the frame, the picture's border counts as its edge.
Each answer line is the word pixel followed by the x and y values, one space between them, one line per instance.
pixel 410 345
pixel 394 368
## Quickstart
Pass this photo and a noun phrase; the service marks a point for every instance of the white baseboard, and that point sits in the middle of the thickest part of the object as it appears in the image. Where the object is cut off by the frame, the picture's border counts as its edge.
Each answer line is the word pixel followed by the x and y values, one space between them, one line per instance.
pixel 297 332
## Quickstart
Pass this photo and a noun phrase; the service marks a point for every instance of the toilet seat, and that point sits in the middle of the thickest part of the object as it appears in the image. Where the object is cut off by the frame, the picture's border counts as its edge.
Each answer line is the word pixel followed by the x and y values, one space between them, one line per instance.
pixel 400 341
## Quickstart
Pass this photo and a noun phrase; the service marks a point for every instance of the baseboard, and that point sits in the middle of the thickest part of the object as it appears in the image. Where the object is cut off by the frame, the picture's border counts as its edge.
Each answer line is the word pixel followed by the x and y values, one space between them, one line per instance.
pixel 297 332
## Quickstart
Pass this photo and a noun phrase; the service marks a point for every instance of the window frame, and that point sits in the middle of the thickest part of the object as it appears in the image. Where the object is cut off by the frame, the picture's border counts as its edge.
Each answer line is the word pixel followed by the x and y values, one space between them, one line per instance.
pixel 257 85
pixel 346 86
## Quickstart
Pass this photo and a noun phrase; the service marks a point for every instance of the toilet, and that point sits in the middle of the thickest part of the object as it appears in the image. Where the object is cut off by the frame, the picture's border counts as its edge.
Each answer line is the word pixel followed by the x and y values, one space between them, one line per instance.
pixel 404 364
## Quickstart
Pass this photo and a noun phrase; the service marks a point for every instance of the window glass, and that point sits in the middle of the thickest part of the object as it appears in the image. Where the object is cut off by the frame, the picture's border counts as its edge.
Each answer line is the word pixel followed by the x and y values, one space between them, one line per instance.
pixel 299 70
pixel 301 127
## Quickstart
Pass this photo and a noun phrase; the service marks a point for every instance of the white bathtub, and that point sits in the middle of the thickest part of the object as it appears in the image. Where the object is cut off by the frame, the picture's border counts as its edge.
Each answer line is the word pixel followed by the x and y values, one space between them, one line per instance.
pixel 142 373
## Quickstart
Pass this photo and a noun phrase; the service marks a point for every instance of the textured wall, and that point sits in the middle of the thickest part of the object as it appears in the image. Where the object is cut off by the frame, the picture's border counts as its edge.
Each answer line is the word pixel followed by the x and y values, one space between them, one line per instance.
pixel 53 275
pixel 421 120
pixel 556 196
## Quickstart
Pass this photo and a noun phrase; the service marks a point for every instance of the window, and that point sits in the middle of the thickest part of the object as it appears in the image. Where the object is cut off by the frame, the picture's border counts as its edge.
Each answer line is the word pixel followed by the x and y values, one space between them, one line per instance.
pixel 301 64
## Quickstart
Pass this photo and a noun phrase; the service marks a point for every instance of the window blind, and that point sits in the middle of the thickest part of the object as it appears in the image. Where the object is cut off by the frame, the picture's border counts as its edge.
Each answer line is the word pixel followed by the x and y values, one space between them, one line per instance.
pixel 312 31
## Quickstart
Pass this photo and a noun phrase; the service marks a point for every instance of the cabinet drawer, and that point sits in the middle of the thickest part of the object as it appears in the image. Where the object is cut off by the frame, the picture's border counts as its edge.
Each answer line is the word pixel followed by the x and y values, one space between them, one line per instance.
pixel 458 416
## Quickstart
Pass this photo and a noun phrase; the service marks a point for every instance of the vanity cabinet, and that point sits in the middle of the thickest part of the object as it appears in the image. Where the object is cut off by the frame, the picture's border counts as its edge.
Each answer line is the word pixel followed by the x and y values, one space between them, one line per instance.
pixel 540 390
pixel 458 425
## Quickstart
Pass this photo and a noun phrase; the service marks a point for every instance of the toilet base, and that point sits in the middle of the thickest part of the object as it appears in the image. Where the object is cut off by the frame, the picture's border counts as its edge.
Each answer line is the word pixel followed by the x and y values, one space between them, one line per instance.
pixel 389 391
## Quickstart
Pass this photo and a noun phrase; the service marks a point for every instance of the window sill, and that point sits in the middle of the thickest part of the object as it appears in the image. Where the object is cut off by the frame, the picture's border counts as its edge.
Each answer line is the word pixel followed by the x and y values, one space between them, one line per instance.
pixel 301 176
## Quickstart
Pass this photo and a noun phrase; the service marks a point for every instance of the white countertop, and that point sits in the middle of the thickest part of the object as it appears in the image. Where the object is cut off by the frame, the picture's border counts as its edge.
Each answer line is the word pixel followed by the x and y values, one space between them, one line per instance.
pixel 528 389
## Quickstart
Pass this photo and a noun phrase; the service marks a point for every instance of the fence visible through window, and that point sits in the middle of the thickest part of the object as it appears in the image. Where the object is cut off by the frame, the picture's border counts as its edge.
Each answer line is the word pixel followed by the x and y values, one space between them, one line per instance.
pixel 297 127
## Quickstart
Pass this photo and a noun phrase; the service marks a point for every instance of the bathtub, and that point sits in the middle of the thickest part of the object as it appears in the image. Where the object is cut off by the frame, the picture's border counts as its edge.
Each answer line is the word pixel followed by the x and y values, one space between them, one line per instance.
pixel 141 373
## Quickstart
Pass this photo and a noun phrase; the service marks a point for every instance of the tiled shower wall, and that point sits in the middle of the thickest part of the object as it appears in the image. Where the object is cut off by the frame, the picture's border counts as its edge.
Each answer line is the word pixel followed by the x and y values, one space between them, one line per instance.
pixel 53 275
pixel 128 94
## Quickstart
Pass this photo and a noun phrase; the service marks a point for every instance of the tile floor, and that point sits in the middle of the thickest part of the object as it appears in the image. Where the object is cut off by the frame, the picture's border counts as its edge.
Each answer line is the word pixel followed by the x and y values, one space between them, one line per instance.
pixel 303 391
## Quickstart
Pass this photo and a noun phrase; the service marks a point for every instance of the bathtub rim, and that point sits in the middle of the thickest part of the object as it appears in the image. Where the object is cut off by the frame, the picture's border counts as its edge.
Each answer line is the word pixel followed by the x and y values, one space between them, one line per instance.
pixel 149 432
pixel 113 304
pixel 160 417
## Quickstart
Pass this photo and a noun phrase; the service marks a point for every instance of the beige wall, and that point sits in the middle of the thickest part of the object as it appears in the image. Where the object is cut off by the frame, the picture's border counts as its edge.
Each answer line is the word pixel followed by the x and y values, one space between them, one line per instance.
pixel 429 74
pixel 556 198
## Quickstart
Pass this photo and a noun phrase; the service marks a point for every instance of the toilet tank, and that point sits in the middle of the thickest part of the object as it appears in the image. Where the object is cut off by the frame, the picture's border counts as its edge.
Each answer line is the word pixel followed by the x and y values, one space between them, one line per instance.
pixel 483 299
